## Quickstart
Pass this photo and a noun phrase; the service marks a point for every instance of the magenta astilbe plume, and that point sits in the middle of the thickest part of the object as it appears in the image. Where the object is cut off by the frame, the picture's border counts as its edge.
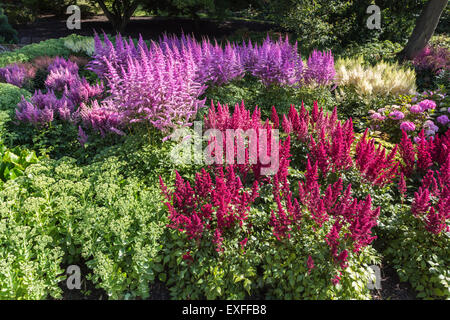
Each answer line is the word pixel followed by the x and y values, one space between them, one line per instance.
pixel 320 68
pixel 82 91
pixel 212 206
pixel 373 163
pixel 220 66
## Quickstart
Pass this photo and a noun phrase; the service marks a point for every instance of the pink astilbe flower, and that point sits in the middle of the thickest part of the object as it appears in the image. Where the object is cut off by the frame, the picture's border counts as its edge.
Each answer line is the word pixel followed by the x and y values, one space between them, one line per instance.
pixel 101 117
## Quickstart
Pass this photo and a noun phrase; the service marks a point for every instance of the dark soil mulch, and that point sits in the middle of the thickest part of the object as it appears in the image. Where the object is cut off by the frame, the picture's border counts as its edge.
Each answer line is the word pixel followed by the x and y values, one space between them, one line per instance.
pixel 150 27
pixel 391 287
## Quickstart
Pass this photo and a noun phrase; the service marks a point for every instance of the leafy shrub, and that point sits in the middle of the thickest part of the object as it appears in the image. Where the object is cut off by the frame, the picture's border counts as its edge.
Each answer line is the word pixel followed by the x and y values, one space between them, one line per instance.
pixel 14 162
pixel 51 47
pixel 80 44
pixel 7 33
pixel 10 95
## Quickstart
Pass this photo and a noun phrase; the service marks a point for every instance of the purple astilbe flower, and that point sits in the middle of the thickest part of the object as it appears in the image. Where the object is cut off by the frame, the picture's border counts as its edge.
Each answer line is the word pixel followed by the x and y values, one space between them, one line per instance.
pixel 277 63
pixel 60 78
pixel 115 54
pixel 82 91
pixel 397 115
pixel 427 104
pixel 156 87
pixel 103 117
pixel 407 126
pixel 320 68
pixel 443 120
pixel 61 63
pixel 16 74
pixel 28 112
pixel 220 66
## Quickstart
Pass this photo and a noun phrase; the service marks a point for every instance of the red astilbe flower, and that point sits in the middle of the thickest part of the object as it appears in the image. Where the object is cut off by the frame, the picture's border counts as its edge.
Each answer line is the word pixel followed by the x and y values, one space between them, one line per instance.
pixel 373 163
pixel 424 152
pixel 431 202
pixel 210 206
pixel 402 186
pixel 252 157
pixel 357 217
pixel 407 153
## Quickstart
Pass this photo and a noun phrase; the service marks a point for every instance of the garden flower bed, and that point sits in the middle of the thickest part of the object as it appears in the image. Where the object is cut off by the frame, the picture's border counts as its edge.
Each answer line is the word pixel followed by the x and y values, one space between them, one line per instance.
pixel 89 128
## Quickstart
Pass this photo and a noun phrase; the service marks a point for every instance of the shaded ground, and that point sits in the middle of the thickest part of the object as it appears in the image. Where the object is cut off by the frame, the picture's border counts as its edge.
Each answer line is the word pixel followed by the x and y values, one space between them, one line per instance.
pixel 391 287
pixel 150 27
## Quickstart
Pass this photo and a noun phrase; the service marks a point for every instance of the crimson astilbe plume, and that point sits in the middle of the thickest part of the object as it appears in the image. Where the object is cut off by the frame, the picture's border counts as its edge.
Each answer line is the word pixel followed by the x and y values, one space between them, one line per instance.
pixel 332 151
pixel 259 154
pixel 441 148
pixel 276 62
pixel 431 203
pixel 408 154
pixel 320 68
pixel 16 74
pixel 424 152
pixel 351 222
pixel 374 164
pixel 211 205
pixel 241 118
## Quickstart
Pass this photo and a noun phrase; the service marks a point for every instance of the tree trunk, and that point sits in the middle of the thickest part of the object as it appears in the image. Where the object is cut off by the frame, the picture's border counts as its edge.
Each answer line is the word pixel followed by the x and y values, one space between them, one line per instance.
pixel 424 29
pixel 120 14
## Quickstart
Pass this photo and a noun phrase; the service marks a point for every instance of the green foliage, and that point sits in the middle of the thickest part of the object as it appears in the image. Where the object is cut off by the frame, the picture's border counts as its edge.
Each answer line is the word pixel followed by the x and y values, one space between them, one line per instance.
pixel 51 47
pixel 7 33
pixel 10 96
pixel 418 256
pixel 14 162
pixel 80 44
pixel 373 52
pixel 254 93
